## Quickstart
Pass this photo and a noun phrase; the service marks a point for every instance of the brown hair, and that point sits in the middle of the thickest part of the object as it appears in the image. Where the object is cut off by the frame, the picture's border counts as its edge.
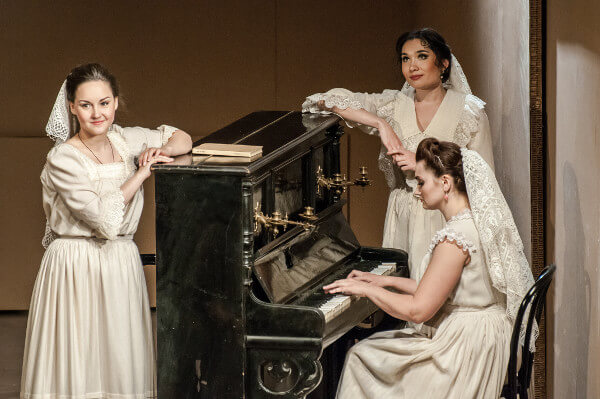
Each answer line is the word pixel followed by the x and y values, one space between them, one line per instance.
pixel 443 158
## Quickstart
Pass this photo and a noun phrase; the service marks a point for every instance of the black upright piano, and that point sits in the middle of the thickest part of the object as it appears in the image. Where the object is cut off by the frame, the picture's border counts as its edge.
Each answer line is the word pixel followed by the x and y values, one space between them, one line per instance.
pixel 241 312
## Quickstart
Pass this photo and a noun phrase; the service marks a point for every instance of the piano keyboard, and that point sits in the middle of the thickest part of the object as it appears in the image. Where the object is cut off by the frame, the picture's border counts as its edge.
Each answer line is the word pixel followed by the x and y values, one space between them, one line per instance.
pixel 338 303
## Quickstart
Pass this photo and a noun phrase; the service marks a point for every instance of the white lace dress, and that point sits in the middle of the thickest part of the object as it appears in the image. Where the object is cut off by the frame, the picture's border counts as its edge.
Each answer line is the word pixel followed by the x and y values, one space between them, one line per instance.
pixel 89 333
pixel 461 118
pixel 464 353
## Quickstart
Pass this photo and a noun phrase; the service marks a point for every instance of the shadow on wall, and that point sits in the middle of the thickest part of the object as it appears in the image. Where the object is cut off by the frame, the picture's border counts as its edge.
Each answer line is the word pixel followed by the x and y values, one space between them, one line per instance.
pixel 576 286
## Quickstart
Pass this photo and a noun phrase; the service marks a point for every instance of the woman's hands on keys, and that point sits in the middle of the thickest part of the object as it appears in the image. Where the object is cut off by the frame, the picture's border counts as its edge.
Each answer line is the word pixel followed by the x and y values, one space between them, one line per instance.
pixel 347 286
pixel 367 277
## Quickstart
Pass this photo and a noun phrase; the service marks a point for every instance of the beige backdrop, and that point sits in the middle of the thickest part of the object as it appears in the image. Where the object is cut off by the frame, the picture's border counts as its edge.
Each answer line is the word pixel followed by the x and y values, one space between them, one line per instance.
pixel 573 213
pixel 196 65
pixel 201 65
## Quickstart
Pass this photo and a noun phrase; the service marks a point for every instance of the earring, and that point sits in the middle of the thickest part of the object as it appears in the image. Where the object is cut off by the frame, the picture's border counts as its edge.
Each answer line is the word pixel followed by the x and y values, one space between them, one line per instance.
pixel 442 74
pixel 446 196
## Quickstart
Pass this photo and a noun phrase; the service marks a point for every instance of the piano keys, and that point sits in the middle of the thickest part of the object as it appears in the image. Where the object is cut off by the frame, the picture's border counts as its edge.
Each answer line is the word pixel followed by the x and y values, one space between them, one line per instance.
pixel 241 311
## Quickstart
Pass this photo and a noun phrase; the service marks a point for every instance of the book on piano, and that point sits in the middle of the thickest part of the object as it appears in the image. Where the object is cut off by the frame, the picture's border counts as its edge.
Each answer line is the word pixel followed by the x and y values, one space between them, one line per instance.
pixel 249 152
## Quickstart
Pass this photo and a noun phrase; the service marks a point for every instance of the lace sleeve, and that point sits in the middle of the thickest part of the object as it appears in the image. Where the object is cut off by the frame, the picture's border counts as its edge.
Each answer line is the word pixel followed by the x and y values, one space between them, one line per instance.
pixel 345 99
pixel 473 130
pixel 68 175
pixel 140 138
pixel 452 236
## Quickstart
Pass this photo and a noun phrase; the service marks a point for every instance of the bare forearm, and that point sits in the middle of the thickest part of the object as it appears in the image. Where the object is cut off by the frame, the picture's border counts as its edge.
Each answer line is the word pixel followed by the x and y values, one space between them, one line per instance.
pixel 131 186
pixel 402 284
pixel 400 306
pixel 179 143
pixel 360 116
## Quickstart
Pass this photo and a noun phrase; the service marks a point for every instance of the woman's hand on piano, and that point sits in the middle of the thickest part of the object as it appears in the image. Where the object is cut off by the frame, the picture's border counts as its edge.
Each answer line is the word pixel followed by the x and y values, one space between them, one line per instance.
pixel 348 286
pixel 367 277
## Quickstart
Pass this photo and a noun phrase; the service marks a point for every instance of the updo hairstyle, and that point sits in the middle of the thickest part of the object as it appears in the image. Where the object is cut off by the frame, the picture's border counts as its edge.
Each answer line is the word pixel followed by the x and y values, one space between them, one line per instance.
pixel 443 158
pixel 434 41
pixel 87 73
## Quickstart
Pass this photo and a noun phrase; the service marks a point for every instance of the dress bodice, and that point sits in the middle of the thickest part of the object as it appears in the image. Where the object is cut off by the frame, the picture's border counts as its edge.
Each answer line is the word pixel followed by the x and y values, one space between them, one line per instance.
pixel 82 198
pixel 474 289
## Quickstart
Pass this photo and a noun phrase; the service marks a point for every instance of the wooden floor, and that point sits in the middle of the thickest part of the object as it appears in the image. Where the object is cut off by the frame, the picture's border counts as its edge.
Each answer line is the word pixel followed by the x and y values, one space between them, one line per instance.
pixel 12 340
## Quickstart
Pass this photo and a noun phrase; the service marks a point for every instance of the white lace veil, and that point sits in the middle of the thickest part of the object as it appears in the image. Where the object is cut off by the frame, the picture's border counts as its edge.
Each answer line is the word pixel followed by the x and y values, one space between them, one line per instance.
pixel 500 239
pixel 58 126
pixel 58 129
pixel 457 79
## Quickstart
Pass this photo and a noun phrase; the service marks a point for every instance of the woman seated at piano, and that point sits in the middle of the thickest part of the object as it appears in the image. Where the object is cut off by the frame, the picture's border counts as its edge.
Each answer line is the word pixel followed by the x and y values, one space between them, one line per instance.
pixel 436 101
pixel 89 333
pixel 461 294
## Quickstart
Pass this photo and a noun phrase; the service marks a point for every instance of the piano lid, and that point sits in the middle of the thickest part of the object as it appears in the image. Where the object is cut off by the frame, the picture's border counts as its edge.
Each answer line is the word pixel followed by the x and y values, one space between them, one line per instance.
pixel 276 131
pixel 295 265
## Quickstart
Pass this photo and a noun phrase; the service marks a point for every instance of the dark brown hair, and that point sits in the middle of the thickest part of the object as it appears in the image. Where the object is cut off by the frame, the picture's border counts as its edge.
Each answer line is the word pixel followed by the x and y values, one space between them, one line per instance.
pixel 434 41
pixel 443 158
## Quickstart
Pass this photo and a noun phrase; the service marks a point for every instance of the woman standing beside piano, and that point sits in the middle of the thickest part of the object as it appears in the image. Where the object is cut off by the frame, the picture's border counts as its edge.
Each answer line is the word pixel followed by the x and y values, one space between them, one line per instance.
pixel 436 101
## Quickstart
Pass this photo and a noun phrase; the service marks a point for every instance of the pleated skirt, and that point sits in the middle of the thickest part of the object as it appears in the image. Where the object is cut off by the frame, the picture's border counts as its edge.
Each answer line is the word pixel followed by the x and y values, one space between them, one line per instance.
pixel 89 331
pixel 465 357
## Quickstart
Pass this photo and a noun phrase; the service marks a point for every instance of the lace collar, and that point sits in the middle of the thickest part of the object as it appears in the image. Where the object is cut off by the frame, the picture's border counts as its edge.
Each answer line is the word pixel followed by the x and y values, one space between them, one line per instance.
pixel 461 215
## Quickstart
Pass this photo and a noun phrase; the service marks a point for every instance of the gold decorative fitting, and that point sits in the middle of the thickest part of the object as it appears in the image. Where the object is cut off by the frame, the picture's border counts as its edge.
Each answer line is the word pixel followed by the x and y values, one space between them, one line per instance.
pixel 274 222
pixel 338 182
pixel 309 213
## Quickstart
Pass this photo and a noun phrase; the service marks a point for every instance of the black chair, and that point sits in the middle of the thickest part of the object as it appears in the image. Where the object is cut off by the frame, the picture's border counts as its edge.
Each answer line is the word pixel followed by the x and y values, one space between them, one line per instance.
pixel 148 259
pixel 518 382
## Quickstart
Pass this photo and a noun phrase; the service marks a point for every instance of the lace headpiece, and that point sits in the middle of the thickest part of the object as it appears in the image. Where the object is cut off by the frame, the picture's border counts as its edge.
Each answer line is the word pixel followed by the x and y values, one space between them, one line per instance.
pixel 500 239
pixel 58 126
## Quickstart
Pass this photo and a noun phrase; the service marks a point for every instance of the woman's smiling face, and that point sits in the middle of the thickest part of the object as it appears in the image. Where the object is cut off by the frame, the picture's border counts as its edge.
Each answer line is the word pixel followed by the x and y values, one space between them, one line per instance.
pixel 94 106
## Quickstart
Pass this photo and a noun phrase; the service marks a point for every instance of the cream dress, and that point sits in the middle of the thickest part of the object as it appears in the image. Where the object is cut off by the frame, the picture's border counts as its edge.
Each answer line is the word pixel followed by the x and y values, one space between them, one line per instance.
pixel 464 353
pixel 460 118
pixel 89 332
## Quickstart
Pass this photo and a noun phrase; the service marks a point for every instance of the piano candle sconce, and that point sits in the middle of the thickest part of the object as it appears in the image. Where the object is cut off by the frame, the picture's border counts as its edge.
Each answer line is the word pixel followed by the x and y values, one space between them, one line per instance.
pixel 274 222
pixel 338 183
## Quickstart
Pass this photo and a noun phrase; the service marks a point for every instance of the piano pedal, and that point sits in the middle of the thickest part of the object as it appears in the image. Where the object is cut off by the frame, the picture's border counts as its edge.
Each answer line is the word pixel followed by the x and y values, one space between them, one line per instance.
pixel 372 321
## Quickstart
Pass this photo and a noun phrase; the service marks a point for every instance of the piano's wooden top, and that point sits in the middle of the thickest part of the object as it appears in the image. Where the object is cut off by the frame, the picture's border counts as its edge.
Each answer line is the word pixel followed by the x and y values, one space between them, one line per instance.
pixel 278 132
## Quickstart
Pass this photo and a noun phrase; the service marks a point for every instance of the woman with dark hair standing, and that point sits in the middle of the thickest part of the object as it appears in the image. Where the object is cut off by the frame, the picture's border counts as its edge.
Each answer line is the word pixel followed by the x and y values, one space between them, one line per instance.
pixel 474 277
pixel 89 333
pixel 436 101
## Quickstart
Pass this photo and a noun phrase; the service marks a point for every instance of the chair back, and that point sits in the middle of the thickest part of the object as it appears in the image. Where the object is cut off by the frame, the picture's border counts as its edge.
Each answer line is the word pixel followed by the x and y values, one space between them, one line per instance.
pixel 534 300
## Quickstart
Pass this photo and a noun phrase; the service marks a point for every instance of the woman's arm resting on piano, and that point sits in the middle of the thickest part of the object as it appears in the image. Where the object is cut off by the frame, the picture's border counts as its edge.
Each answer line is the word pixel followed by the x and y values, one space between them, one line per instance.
pixel 440 278
pixel 402 284
pixel 389 138
pixel 179 143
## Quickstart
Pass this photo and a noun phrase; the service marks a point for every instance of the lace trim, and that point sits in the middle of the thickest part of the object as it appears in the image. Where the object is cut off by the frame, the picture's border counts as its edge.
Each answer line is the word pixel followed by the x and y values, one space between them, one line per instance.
pixel 49 236
pixel 462 215
pixel 112 214
pixel 452 236
pixel 468 124
pixel 331 100
pixel 499 237
pixel 121 146
pixel 166 133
